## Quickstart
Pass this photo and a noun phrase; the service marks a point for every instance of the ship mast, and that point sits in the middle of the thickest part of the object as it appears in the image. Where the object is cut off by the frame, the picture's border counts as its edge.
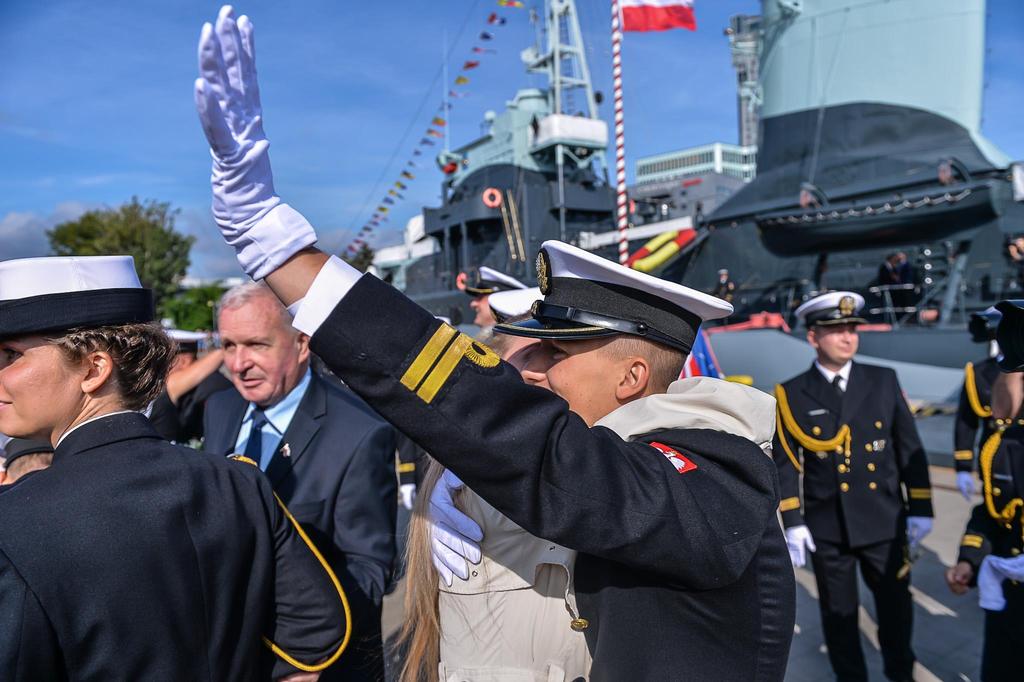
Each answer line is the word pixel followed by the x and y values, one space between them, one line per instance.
pixel 564 62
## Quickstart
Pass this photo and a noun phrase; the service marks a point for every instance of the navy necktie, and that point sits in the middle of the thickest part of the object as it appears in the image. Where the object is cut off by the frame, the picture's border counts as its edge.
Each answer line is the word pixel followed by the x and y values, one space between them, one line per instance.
pixel 254 448
pixel 837 384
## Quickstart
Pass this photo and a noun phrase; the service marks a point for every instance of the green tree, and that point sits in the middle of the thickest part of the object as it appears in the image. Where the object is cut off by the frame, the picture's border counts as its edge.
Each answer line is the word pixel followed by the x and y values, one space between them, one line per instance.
pixel 193 309
pixel 144 231
pixel 362 259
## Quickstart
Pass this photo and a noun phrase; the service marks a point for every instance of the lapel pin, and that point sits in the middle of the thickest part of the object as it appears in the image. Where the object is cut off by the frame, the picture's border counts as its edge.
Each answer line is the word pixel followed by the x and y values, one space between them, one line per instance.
pixel 286 450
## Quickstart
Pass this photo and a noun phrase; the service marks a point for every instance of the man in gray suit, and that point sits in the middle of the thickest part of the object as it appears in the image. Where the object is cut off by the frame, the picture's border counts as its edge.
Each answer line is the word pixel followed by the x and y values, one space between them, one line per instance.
pixel 327 454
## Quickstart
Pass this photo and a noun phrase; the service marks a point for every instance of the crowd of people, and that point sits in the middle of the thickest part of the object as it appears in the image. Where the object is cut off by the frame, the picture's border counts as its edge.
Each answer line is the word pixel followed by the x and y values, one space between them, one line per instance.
pixel 579 511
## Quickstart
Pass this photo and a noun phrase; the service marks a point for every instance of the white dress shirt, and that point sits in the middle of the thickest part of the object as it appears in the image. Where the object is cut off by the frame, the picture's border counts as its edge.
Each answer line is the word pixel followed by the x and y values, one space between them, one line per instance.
pixel 844 374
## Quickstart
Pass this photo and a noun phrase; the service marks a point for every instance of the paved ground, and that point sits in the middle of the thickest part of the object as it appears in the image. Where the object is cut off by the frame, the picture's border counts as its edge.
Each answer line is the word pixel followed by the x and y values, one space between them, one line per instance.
pixel 947 629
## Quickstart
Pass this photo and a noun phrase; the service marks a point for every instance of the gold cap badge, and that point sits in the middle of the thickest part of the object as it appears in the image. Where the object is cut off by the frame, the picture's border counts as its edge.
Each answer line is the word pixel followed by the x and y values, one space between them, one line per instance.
pixel 543 272
pixel 846 306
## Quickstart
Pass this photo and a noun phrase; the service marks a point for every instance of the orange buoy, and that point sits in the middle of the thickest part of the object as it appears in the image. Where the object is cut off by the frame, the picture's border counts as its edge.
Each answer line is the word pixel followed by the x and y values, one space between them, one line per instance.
pixel 491 197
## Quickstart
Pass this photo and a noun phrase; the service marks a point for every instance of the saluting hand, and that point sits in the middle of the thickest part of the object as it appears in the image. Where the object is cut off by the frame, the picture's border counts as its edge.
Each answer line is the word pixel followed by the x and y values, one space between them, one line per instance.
pixel 264 231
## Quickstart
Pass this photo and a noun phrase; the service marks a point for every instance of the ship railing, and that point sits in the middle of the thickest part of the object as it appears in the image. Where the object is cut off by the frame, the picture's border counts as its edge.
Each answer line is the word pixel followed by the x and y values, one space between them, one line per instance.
pixel 892 313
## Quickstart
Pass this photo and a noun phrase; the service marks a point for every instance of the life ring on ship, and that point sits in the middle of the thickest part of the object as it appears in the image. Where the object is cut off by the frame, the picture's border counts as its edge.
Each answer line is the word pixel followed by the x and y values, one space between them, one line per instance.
pixel 491 197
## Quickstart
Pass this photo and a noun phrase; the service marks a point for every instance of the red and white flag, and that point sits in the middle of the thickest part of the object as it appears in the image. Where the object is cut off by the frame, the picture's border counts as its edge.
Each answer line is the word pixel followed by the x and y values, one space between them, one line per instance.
pixel 657 15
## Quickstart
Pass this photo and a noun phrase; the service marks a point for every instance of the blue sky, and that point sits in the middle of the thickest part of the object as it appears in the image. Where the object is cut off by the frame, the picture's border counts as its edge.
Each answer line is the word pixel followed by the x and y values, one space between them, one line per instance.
pixel 96 104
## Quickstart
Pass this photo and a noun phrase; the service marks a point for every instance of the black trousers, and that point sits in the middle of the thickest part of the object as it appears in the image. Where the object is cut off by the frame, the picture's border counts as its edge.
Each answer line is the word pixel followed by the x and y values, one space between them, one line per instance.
pixel 1002 659
pixel 835 571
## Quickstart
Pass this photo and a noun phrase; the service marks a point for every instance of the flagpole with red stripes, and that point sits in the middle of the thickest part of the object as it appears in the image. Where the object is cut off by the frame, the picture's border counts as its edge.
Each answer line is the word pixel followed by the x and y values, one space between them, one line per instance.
pixel 621 201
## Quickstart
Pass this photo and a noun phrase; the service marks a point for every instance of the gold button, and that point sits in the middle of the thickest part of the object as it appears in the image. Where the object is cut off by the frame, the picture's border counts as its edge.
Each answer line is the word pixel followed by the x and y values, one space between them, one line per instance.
pixel 816 430
pixel 878 425
pixel 997 491
pixel 579 624
pixel 839 450
pixel 867 446
pixel 1014 551
pixel 844 486
pixel 843 468
pixel 872 485
pixel 871 466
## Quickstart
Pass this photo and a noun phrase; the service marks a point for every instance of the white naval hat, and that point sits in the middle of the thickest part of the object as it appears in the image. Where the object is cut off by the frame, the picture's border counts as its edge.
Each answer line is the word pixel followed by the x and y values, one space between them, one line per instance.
pixel 587 296
pixel 64 292
pixel 489 281
pixel 834 307
pixel 513 303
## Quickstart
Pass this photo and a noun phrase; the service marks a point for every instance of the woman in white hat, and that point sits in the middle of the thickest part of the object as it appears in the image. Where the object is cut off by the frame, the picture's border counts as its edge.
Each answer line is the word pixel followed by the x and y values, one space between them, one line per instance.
pixel 129 557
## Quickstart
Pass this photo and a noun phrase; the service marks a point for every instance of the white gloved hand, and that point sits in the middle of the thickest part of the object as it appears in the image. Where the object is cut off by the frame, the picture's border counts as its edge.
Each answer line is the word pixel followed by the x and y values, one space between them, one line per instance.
pixel 917 528
pixel 990 586
pixel 965 482
pixel 1009 567
pixel 799 540
pixel 407 494
pixel 454 537
pixel 263 231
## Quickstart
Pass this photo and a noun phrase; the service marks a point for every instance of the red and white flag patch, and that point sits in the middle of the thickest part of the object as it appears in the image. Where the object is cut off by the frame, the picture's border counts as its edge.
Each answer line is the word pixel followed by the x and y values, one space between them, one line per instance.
pixel 678 460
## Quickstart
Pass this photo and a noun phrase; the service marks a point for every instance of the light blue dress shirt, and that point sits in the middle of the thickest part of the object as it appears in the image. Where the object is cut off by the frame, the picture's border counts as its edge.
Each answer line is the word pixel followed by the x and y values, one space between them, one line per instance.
pixel 279 416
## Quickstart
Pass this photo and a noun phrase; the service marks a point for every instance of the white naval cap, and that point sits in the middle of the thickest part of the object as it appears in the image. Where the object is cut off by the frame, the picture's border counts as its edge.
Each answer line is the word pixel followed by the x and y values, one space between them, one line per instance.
pixel 489 281
pixel 588 296
pixel 64 292
pixel 182 336
pixel 514 302
pixel 834 307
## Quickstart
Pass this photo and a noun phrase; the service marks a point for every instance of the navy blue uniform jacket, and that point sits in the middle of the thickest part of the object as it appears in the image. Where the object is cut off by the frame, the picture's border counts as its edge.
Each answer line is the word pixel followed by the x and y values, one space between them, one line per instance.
pixel 680 576
pixel 338 480
pixel 134 559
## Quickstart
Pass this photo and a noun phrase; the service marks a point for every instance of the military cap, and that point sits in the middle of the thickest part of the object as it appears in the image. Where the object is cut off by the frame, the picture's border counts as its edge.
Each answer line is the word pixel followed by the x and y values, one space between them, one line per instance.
pixel 188 342
pixel 488 281
pixel 59 293
pixel 19 447
pixel 586 296
pixel 834 307
pixel 513 303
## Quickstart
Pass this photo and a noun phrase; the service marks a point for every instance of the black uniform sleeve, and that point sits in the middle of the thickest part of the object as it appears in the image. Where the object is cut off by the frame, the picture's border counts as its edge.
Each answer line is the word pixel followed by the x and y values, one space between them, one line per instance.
pixel 789 464
pixel 308 620
pixel 409 455
pixel 520 448
pixel 28 646
pixel 965 433
pixel 976 543
pixel 910 456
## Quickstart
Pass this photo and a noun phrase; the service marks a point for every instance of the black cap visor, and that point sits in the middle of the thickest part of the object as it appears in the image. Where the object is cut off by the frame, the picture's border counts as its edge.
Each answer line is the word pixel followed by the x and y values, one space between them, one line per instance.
pixel 840 320
pixel 552 329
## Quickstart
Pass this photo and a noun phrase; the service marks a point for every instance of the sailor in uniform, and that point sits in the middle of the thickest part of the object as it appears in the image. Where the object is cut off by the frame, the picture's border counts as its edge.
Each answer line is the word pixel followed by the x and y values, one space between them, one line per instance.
pixel 488 281
pixel 974 410
pixel 130 558
pixel 990 556
pixel 682 570
pixel 845 429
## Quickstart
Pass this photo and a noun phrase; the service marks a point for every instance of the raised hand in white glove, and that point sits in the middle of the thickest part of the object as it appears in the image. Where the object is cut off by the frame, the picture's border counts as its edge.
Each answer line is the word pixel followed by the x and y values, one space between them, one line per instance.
pixel 965 482
pixel 799 540
pixel 454 537
pixel 917 528
pixel 407 495
pixel 263 231
pixel 990 586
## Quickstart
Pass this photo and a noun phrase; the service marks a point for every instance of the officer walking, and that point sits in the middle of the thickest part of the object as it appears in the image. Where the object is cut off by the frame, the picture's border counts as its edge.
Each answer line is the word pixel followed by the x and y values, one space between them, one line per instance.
pixel 991 549
pixel 974 411
pixel 866 498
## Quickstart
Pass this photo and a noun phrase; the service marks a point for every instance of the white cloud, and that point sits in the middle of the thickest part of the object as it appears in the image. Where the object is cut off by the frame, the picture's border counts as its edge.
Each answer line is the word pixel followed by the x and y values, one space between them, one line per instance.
pixel 23 234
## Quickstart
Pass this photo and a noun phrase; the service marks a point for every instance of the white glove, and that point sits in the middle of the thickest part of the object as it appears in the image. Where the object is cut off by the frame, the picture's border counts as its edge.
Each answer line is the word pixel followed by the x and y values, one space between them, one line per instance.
pixel 799 540
pixel 407 494
pixel 454 537
pixel 990 586
pixel 917 528
pixel 965 482
pixel 263 231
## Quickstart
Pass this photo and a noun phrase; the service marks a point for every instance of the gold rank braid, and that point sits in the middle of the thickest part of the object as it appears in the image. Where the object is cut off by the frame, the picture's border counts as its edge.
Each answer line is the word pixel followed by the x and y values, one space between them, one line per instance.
pixel 971 386
pixel 842 436
pixel 988 453
pixel 281 653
